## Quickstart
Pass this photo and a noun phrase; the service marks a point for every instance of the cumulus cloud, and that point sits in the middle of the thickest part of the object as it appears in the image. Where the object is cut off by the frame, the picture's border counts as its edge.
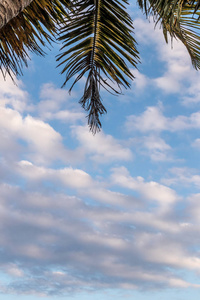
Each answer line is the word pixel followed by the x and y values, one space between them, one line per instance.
pixel 43 141
pixel 75 178
pixel 101 147
pixel 13 94
pixel 31 137
pixel 153 119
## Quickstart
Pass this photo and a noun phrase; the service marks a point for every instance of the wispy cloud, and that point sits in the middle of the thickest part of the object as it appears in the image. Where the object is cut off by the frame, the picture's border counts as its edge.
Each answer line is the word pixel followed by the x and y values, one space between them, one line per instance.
pixel 153 120
pixel 55 236
pixel 182 176
pixel 56 104
pixel 178 75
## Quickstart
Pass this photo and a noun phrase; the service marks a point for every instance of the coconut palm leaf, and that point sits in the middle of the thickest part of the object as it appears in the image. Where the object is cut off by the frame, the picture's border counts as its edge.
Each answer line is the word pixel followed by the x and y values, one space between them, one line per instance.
pixel 167 8
pixel 179 19
pixel 98 44
pixel 23 34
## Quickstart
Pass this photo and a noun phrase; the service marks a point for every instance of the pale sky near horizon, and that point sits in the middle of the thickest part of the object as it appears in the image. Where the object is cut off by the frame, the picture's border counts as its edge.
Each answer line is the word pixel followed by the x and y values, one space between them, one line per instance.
pixel 111 215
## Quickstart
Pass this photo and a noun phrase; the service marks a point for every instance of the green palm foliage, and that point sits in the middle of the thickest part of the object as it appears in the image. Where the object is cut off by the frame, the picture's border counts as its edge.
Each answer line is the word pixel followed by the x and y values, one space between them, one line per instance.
pixel 97 41
pixel 97 44
pixel 179 19
pixel 26 32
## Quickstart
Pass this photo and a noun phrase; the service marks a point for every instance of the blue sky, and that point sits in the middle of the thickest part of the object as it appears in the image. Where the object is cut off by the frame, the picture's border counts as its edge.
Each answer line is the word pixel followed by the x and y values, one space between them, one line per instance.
pixel 110 215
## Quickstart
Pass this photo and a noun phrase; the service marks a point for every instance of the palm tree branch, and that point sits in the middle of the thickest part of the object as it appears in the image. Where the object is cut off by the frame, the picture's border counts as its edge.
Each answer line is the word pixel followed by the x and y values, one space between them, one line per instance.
pixel 99 33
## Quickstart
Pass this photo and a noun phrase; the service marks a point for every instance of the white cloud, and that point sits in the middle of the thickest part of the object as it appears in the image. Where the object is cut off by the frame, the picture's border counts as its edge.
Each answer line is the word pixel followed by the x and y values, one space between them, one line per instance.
pixel 183 176
pixel 156 148
pixel 152 190
pixel 74 178
pixel 43 141
pixel 192 95
pixel 52 102
pixel 153 119
pixel 145 32
pixel 40 142
pixel 178 70
pixel 178 74
pixel 131 247
pixel 13 94
pixel 65 116
pixel 158 248
pixel 101 147
pixel 152 146
pixel 140 81
pixel 50 93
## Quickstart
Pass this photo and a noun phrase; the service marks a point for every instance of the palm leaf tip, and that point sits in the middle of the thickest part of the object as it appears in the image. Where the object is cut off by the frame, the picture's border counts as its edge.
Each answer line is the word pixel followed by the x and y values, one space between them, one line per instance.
pixel 98 44
pixel 91 101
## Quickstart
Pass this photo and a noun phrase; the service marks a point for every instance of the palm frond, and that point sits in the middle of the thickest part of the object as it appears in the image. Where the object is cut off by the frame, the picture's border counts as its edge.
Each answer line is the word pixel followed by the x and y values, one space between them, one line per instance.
pixel 167 8
pixel 33 27
pixel 179 19
pixel 97 44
